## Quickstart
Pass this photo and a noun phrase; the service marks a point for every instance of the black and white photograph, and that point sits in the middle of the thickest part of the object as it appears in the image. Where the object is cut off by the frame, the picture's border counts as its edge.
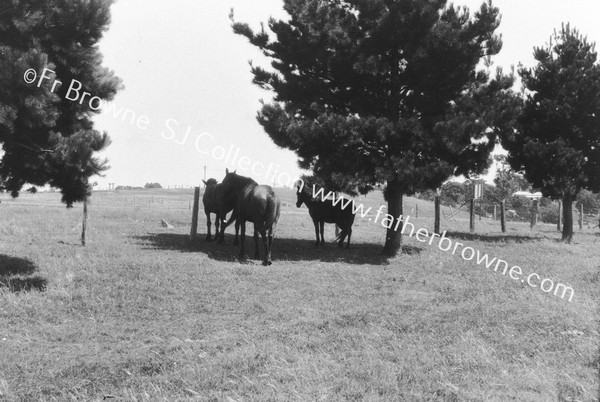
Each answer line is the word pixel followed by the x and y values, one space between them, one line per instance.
pixel 299 200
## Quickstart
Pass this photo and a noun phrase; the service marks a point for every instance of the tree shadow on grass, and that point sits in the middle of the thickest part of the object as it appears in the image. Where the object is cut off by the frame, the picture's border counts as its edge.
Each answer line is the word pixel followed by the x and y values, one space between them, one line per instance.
pixel 284 249
pixel 499 238
pixel 15 274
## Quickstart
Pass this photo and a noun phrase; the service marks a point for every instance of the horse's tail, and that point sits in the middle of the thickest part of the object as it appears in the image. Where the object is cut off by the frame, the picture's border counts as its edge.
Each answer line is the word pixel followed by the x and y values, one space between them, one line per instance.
pixel 272 212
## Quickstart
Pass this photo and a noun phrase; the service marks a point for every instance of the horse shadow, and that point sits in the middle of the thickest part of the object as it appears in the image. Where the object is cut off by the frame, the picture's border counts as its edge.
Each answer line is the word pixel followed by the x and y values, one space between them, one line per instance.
pixel 16 275
pixel 284 249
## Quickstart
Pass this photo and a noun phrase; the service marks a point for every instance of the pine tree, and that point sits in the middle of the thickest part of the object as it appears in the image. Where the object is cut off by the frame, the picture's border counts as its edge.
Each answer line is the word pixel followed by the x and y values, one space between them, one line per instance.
pixel 47 137
pixel 372 92
pixel 557 140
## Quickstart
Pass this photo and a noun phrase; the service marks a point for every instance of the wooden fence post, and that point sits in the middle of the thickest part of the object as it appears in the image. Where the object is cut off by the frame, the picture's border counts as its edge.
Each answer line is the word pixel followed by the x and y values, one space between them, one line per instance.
pixel 472 215
pixel 194 230
pixel 502 216
pixel 436 223
pixel 84 223
pixel 336 195
pixel 416 210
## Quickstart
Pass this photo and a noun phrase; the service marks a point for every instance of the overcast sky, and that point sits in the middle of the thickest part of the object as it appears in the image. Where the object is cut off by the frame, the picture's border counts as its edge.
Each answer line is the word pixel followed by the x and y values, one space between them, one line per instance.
pixel 189 102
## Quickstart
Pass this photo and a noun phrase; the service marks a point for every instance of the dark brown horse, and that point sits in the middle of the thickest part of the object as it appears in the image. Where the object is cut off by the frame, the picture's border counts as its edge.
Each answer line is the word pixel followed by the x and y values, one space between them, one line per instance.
pixel 322 211
pixel 215 202
pixel 257 204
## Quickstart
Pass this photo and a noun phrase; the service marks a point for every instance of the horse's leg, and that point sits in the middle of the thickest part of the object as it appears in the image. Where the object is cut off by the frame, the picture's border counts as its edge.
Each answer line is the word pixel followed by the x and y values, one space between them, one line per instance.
pixel 217 226
pixel 224 225
pixel 343 233
pixel 316 223
pixel 221 233
pixel 270 246
pixel 236 240
pixel 208 236
pixel 242 224
pixel 256 252
pixel 349 234
pixel 267 260
pixel 322 223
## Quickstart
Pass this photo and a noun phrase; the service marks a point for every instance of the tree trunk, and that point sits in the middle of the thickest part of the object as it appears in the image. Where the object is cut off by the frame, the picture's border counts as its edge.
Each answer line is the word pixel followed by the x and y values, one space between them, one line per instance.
pixel 567 231
pixel 534 211
pixel 393 238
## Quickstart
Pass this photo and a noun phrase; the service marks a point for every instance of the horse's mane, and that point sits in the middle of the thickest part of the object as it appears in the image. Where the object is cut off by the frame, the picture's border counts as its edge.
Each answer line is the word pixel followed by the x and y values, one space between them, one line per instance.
pixel 243 180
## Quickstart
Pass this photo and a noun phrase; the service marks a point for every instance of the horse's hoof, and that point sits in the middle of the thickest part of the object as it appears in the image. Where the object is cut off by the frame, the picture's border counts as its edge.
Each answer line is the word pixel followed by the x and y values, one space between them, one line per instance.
pixel 266 263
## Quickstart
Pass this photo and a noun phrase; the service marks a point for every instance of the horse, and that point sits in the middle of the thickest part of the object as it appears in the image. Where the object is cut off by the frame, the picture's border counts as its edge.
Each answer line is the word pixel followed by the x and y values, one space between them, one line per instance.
pixel 215 202
pixel 322 211
pixel 254 203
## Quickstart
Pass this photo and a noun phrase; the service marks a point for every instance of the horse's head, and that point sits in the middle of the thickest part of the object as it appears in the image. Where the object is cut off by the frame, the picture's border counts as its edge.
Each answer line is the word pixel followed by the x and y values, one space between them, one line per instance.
pixel 229 181
pixel 302 196
pixel 210 182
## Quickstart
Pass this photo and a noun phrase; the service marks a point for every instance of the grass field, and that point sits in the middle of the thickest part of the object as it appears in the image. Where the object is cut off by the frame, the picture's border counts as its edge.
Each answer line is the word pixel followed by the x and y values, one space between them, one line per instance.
pixel 142 314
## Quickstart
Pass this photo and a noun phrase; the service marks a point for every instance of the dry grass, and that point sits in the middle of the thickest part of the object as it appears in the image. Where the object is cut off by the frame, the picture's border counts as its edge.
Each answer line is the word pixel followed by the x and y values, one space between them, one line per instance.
pixel 142 314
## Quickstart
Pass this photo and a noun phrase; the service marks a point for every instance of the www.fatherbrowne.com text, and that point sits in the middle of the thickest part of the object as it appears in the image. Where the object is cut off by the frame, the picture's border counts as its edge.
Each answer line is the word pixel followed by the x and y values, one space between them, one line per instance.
pixel 446 244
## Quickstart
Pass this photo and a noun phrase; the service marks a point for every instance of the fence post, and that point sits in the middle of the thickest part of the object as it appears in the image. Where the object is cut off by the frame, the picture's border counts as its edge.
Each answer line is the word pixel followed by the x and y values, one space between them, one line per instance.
pixel 194 230
pixel 335 194
pixel 472 215
pixel 558 224
pixel 84 223
pixel 502 217
pixel 580 216
pixel 416 210
pixel 436 223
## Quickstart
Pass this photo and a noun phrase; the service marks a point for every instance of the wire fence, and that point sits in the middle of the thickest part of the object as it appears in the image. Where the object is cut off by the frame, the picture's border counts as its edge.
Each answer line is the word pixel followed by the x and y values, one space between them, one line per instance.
pixel 169 200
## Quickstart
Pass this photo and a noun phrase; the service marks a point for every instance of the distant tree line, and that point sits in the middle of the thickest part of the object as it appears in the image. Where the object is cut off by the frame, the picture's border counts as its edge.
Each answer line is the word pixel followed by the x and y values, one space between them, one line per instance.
pixel 455 195
pixel 146 186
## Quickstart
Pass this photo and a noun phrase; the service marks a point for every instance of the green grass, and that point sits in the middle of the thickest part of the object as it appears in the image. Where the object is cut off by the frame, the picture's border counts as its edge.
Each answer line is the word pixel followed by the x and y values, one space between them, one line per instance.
pixel 141 314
